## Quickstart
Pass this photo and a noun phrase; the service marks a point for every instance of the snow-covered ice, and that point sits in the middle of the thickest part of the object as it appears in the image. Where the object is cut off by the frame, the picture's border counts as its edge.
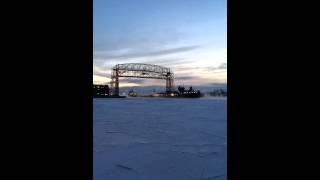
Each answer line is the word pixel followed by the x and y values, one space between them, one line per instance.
pixel 160 139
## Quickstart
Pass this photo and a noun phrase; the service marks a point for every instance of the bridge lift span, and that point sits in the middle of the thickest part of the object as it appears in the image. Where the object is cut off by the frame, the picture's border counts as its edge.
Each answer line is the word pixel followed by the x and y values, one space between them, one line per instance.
pixel 138 70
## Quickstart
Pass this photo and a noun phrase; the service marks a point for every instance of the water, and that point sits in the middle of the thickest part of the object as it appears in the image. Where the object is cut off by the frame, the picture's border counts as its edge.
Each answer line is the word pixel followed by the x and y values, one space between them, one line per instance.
pixel 160 138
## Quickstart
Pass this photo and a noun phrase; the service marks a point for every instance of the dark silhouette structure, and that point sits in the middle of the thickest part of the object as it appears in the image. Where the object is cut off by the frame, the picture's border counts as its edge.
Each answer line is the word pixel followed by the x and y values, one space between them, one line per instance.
pixel 101 90
pixel 188 93
pixel 180 89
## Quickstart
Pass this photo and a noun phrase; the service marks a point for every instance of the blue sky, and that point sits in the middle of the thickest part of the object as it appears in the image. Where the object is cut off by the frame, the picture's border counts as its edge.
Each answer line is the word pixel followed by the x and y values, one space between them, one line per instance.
pixel 188 36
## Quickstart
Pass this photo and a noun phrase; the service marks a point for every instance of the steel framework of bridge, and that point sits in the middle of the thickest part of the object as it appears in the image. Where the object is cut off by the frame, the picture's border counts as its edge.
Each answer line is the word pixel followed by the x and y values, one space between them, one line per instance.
pixel 138 70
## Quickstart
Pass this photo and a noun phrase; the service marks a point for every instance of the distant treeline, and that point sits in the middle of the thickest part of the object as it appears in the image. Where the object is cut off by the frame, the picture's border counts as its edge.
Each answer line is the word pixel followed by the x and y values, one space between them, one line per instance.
pixel 218 92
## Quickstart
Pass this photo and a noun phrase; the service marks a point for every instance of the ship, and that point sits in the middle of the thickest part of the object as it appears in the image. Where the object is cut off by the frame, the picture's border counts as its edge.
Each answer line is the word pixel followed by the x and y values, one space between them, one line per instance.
pixel 132 93
pixel 181 93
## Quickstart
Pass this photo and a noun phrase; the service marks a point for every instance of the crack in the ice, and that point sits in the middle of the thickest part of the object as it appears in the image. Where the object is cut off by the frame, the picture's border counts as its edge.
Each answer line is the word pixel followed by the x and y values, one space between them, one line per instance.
pixel 123 167
pixel 112 132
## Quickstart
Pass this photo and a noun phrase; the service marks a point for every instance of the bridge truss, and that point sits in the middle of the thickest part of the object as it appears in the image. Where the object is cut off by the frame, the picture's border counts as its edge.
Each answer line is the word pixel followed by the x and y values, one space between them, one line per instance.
pixel 138 70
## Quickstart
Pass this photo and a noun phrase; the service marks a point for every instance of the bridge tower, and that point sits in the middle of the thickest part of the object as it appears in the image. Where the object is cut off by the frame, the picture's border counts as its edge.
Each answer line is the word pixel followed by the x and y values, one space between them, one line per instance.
pixel 115 82
pixel 169 82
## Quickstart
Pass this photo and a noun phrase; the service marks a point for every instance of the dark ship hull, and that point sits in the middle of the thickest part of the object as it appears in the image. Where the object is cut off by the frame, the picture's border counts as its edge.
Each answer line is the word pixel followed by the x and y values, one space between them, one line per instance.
pixel 190 95
pixel 171 94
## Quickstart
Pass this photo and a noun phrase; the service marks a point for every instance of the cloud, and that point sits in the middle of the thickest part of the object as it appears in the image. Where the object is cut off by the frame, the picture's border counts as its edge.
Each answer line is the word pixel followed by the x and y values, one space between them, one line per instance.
pixel 146 39
pixel 186 68
pixel 222 66
pixel 136 81
pixel 102 74
pixel 138 54
pixel 184 77
pixel 100 79
pixel 162 61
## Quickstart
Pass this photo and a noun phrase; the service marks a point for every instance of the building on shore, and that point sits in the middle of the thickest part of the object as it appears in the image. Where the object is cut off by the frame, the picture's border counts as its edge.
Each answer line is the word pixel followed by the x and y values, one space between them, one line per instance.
pixel 101 90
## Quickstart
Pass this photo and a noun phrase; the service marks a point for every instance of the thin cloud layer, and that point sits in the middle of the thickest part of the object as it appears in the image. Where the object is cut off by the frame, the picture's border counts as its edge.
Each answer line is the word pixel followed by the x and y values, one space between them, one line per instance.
pixel 138 54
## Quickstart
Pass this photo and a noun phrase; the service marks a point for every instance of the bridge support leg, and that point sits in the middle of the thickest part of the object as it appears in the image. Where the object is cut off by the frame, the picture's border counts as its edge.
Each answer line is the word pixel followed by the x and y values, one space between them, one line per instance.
pixel 169 84
pixel 115 83
pixel 116 88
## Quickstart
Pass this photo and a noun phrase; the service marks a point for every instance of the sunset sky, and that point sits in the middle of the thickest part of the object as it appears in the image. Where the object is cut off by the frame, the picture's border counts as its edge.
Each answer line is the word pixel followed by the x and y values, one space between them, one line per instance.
pixel 188 36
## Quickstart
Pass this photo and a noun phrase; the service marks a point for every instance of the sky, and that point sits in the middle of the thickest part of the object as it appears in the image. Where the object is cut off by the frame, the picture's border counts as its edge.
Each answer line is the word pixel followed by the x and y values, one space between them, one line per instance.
pixel 187 36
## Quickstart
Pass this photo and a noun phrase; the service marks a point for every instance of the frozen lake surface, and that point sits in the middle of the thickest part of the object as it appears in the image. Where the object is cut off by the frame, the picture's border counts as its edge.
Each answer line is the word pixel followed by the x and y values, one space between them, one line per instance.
pixel 160 139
